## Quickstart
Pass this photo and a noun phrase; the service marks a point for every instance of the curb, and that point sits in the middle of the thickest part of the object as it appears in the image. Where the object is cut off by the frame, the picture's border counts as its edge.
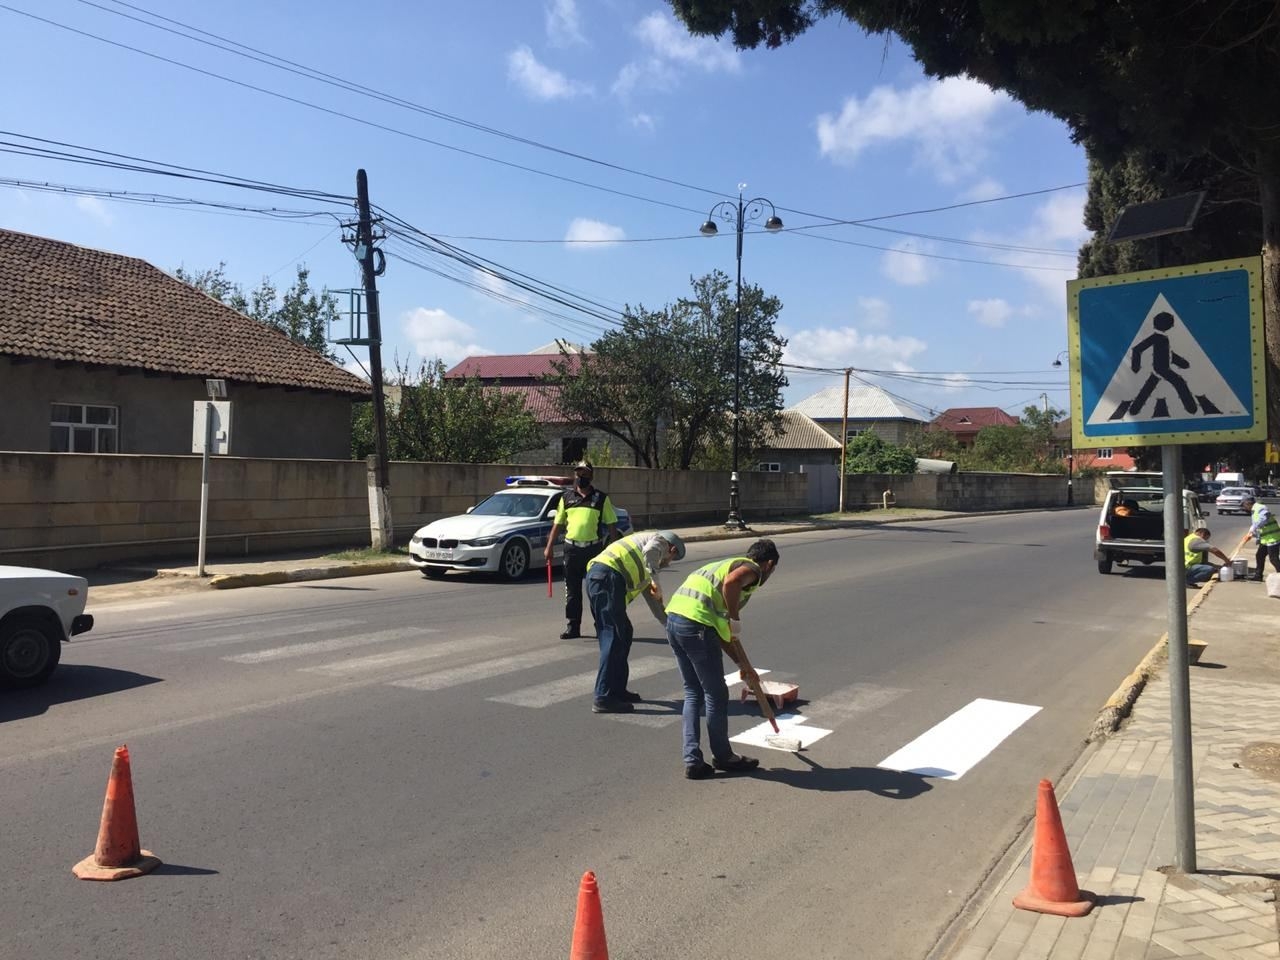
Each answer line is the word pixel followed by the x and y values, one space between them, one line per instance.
pixel 232 581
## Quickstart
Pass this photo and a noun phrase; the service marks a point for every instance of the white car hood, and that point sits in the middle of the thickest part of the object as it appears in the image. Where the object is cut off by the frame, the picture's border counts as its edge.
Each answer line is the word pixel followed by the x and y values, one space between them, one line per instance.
pixel 468 527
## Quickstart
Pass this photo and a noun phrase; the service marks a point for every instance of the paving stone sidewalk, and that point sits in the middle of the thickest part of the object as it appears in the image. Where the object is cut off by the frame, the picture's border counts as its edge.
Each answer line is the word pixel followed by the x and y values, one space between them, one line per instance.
pixel 1118 815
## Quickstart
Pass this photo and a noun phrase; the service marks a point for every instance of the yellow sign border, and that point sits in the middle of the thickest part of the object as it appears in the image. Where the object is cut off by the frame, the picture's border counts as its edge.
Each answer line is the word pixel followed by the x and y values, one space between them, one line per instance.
pixel 1253 267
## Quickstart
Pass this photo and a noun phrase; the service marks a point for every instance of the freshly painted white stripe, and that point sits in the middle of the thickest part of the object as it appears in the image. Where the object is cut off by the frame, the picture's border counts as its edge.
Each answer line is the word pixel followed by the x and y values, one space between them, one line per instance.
pixel 953 747
pixel 558 691
pixel 266 633
pixel 292 650
pixel 380 661
pixel 732 678
pixel 488 668
pixel 789 725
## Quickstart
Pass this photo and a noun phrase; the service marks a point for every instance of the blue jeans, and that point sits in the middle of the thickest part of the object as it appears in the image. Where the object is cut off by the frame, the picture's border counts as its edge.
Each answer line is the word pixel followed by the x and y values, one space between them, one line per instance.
pixel 700 656
pixel 1200 572
pixel 607 593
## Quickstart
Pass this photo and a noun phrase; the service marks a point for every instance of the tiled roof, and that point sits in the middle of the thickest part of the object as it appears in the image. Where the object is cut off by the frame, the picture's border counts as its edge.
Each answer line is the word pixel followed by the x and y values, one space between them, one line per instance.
pixel 972 419
pixel 542 402
pixel 866 402
pixel 517 366
pixel 801 433
pixel 59 301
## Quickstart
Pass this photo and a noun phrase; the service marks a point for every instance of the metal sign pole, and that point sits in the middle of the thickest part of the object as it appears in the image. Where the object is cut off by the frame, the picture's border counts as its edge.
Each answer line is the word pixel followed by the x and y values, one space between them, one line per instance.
pixel 204 484
pixel 1179 663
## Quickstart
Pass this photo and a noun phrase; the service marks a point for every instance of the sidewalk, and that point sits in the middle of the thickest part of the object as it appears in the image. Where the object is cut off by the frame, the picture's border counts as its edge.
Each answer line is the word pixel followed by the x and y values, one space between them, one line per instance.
pixel 133 580
pixel 1118 814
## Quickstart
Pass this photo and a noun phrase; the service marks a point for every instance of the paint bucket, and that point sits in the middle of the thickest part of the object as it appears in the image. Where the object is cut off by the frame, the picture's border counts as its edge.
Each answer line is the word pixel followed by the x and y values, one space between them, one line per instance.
pixel 1226 573
pixel 1240 568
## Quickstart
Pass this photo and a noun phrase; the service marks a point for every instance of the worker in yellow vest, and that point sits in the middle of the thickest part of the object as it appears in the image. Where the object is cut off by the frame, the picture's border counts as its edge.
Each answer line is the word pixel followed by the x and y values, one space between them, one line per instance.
pixel 588 520
pixel 617 575
pixel 1263 528
pixel 704 621
pixel 1195 556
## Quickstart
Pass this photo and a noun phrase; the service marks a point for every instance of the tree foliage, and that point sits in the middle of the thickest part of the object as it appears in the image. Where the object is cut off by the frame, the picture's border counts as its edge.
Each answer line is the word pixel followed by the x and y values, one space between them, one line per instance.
pixel 663 383
pixel 1191 81
pixel 869 453
pixel 433 419
pixel 302 313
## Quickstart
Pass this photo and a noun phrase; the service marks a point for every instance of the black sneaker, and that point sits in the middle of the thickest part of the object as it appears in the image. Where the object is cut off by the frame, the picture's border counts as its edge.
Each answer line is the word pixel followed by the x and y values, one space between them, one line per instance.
pixel 699 771
pixel 737 764
pixel 611 706
pixel 570 633
pixel 630 697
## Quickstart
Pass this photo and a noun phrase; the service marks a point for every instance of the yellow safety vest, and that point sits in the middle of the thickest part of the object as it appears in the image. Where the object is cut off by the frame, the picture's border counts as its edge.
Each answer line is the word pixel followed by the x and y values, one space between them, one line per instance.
pixel 1269 532
pixel 626 558
pixel 581 516
pixel 1191 557
pixel 701 597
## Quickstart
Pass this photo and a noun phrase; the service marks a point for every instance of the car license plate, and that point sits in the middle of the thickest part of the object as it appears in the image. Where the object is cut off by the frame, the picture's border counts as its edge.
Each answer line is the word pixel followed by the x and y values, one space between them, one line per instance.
pixel 439 554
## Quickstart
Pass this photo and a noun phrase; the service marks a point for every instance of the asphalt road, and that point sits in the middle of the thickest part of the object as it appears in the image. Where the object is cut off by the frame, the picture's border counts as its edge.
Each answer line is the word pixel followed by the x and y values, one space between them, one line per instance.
pixel 386 767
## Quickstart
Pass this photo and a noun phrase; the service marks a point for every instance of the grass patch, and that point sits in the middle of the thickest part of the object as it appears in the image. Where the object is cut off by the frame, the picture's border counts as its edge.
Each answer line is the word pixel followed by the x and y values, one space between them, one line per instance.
pixel 368 553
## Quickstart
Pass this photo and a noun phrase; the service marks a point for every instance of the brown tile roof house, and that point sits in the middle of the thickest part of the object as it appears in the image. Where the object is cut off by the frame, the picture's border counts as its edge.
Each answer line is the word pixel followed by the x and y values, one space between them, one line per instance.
pixel 965 422
pixel 94 335
pixel 520 369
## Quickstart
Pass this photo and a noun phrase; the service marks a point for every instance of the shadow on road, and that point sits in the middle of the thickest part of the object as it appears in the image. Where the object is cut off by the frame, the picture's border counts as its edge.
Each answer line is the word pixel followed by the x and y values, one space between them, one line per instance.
pixel 69 683
pixel 883 783
pixel 330 586
pixel 178 870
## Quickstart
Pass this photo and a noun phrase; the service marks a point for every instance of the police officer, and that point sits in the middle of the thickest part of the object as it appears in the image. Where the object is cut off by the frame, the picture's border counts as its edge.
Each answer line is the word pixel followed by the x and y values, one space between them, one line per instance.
pixel 1263 528
pixel 588 520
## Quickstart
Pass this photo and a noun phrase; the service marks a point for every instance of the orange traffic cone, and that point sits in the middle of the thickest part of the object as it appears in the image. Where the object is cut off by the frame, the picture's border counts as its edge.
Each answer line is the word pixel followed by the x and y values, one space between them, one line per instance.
pixel 118 854
pixel 588 926
pixel 1053 887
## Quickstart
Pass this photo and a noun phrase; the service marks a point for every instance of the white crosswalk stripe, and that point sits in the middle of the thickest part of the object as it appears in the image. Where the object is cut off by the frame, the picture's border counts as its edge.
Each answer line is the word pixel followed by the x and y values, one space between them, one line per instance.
pixel 381 661
pixel 290 651
pixel 579 685
pixel 228 639
pixel 953 747
pixel 454 676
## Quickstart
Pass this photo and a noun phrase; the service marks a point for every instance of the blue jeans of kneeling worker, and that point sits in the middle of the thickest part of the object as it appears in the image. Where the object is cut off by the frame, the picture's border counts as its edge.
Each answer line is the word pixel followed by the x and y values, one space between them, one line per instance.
pixel 700 655
pixel 607 594
pixel 1200 572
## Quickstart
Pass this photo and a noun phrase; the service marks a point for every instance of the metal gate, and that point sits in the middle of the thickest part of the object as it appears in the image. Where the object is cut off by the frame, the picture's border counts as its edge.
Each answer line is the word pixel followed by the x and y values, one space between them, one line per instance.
pixel 824 486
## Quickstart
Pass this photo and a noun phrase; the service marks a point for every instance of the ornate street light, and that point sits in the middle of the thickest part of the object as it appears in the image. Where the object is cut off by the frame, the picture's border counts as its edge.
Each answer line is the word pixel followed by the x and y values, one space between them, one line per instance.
pixel 738 215
pixel 1071 453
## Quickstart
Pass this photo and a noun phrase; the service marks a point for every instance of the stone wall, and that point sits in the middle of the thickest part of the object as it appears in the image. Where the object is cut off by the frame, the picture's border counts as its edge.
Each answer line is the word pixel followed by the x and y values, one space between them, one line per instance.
pixel 966 491
pixel 73 511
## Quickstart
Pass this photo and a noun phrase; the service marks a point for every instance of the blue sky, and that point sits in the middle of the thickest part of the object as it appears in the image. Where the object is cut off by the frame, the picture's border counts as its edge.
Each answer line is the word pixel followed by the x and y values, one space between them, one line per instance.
pixel 837 125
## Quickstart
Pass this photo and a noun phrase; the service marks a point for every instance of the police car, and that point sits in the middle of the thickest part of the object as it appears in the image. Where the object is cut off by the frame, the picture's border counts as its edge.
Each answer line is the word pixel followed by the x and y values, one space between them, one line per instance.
pixel 504 533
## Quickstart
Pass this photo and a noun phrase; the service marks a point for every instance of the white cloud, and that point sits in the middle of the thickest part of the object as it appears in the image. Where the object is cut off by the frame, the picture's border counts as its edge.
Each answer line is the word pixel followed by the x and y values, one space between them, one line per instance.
pixel 904 266
pixel 651 75
pixel 564 27
pixel 436 333
pixel 539 81
pixel 1057 223
pixel 985 189
pixel 644 121
pixel 669 40
pixel 875 312
pixel 593 233
pixel 947 121
pixel 95 208
pixel 991 313
pixel 833 347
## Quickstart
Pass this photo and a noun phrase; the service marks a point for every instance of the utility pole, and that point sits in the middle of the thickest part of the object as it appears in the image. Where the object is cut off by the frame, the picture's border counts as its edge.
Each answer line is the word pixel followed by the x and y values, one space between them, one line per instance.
pixel 844 435
pixel 382 532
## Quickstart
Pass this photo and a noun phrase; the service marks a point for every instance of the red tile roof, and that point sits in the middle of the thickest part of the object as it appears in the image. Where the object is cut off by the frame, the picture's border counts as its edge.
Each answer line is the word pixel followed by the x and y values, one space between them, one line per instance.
pixel 542 402
pixel 59 301
pixel 516 366
pixel 972 419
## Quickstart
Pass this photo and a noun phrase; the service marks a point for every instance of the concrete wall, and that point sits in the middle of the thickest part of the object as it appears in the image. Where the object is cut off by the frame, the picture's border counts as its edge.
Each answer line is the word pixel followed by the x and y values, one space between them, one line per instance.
pixel 72 511
pixel 966 491
pixel 155 412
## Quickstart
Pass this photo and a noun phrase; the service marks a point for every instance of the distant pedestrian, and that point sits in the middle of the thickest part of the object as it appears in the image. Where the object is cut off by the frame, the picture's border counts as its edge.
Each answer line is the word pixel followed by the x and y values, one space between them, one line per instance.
pixel 1195 551
pixel 621 572
pixel 1266 531
pixel 704 621
pixel 588 520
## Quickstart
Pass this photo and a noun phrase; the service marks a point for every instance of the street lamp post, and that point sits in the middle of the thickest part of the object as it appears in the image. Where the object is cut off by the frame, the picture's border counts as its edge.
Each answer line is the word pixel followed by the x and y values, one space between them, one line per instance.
pixel 1071 453
pixel 738 214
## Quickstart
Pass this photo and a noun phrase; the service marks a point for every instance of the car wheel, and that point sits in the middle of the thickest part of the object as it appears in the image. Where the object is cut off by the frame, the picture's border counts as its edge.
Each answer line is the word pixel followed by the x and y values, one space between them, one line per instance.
pixel 434 573
pixel 514 562
pixel 30 649
pixel 1104 565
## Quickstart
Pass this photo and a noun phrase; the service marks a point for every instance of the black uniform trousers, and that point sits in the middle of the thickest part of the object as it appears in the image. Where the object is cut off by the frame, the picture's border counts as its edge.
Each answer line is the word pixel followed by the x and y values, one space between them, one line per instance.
pixel 575 568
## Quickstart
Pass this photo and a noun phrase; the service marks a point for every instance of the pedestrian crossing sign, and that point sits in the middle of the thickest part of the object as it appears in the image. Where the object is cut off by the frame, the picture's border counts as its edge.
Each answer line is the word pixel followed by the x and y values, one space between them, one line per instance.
pixel 1168 356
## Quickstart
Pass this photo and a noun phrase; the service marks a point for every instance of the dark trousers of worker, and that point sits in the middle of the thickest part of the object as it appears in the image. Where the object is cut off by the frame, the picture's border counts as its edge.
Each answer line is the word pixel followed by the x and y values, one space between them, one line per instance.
pixel 575 568
pixel 607 593
pixel 1266 551
pixel 700 657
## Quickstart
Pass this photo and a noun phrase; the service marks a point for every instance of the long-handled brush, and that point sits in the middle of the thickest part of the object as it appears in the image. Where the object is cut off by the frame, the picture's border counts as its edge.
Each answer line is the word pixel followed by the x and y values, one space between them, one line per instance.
pixel 774 739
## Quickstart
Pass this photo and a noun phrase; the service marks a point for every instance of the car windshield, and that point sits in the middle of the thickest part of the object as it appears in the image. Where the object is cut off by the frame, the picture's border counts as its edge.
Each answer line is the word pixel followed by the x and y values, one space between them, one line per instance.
pixel 1234 492
pixel 511 505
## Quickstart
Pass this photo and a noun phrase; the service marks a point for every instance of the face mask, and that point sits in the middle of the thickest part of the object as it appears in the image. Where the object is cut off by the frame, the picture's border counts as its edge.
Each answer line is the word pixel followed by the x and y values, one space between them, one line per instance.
pixel 583 482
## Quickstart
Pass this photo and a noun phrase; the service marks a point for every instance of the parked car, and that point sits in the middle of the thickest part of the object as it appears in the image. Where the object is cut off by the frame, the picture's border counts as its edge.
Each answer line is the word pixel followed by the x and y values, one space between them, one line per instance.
pixel 500 533
pixel 1209 490
pixel 1231 499
pixel 1266 490
pixel 39 611
pixel 1131 525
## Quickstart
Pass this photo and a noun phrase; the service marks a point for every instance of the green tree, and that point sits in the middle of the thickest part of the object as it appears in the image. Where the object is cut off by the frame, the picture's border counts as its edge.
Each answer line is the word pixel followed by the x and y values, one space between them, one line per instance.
pixel 1188 80
pixel 868 453
pixel 447 421
pixel 1004 447
pixel 1039 422
pixel 933 444
pixel 663 383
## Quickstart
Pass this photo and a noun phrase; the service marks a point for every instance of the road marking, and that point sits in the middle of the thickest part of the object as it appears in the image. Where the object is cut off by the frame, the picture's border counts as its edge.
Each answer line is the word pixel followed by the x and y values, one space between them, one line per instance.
pixel 380 661
pixel 848 702
pixel 558 691
pixel 289 651
pixel 455 676
pixel 789 725
pixel 953 747
pixel 731 678
pixel 227 640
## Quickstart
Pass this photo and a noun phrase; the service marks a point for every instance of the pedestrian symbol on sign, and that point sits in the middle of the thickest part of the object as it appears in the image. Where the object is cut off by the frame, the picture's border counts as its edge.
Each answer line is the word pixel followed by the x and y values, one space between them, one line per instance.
pixel 1165 374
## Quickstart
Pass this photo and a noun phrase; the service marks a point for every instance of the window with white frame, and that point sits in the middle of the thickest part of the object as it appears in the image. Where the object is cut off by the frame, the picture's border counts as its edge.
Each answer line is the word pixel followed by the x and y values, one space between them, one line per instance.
pixel 84 428
pixel 768 467
pixel 1105 453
